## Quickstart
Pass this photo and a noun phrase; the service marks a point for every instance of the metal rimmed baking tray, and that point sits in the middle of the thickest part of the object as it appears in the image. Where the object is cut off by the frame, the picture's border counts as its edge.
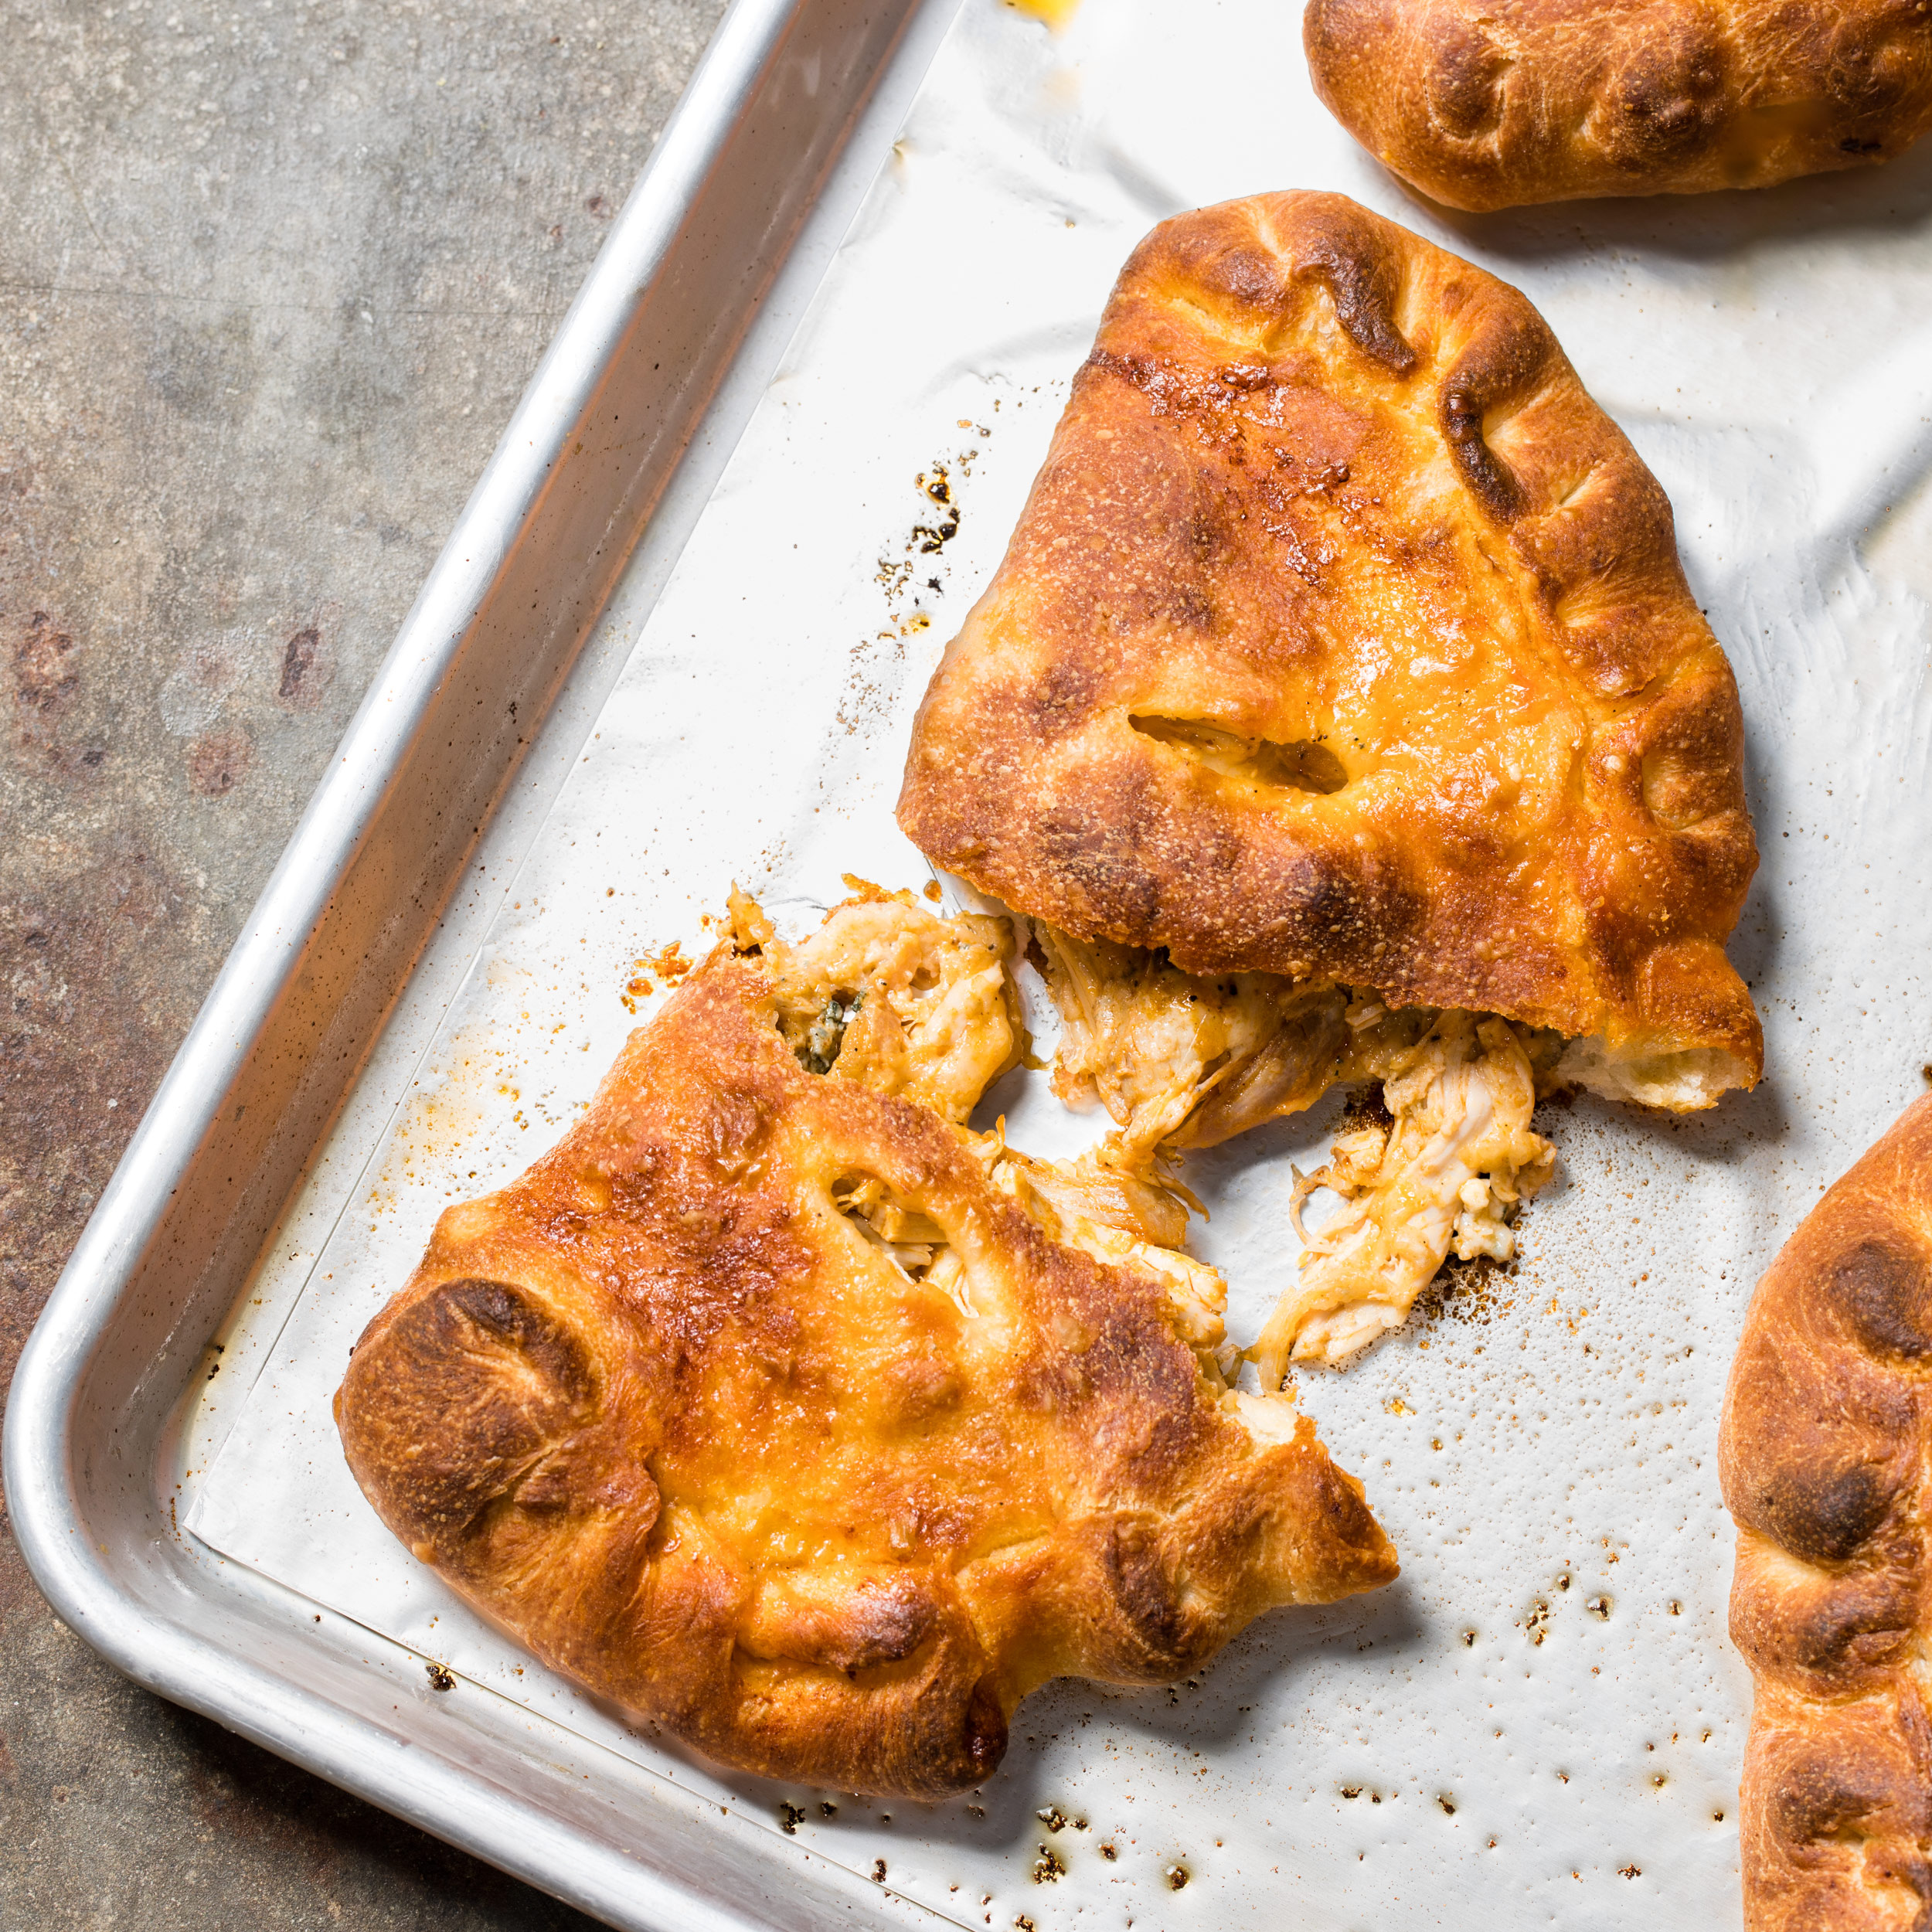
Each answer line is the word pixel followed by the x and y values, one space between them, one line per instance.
pixel 610 455
pixel 1542 1720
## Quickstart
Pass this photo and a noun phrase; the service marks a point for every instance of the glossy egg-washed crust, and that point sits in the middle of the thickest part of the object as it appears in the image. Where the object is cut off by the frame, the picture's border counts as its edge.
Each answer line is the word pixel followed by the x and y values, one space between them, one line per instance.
pixel 1322 483
pixel 1828 1423
pixel 1486 104
pixel 661 1411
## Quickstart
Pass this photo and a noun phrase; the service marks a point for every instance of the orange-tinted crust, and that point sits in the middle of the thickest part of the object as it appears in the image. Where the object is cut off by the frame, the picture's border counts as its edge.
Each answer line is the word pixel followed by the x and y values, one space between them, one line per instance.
pixel 1323 485
pixel 1828 1423
pixel 1485 103
pixel 660 1408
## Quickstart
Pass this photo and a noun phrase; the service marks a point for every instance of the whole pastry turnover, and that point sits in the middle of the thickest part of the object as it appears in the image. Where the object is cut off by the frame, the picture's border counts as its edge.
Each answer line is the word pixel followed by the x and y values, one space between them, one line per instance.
pixel 1826 1437
pixel 783 1411
pixel 1487 103
pixel 1340 713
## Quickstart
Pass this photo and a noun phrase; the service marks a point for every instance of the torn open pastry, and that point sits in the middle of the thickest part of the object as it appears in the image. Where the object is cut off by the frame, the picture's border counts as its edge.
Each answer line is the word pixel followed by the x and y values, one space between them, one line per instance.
pixel 1340 712
pixel 781 1409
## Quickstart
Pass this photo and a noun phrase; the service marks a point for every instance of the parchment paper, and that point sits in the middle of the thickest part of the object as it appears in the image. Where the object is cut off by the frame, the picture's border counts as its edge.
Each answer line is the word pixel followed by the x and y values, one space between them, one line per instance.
pixel 1542 1721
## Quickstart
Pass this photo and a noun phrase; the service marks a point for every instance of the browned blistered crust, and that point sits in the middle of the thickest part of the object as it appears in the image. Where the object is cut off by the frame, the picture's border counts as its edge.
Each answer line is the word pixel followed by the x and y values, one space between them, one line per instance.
pixel 661 1409
pixel 1486 104
pixel 1323 485
pixel 1827 1425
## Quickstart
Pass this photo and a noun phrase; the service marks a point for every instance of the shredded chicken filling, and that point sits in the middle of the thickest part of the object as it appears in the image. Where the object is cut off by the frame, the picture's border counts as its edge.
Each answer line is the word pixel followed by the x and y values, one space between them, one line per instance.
pixel 1456 1159
pixel 1117 1218
pixel 886 995
pixel 1127 1221
pixel 1179 1061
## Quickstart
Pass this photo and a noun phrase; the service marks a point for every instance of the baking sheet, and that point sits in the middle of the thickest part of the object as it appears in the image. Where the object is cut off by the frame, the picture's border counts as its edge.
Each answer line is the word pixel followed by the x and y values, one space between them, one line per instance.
pixel 1541 1720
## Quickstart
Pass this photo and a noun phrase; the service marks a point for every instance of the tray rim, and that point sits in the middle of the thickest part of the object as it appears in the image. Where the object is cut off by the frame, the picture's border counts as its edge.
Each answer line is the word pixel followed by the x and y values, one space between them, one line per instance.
pixel 39 1452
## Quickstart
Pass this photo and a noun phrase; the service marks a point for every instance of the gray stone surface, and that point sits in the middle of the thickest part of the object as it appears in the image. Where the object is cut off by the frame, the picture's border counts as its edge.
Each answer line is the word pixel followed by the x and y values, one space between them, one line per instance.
pixel 271 279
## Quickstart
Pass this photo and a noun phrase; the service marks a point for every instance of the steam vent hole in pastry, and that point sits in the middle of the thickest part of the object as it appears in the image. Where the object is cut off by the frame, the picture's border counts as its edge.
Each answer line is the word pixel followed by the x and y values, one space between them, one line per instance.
pixel 1306 765
pixel 786 1413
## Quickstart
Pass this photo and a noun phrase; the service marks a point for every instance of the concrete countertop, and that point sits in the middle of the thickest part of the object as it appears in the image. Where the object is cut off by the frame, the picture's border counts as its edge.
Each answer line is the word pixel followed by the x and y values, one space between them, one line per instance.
pixel 272 277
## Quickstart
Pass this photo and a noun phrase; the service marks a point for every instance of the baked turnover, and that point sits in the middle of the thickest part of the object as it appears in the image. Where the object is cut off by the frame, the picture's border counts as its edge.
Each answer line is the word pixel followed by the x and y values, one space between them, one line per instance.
pixel 1488 105
pixel 780 1409
pixel 1340 711
pixel 1826 1432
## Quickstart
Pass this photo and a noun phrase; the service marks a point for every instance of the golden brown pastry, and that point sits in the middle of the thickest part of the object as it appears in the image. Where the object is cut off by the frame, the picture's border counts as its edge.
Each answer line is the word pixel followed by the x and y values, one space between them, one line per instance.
pixel 1341 675
pixel 783 1412
pixel 1488 105
pixel 1344 638
pixel 1828 1423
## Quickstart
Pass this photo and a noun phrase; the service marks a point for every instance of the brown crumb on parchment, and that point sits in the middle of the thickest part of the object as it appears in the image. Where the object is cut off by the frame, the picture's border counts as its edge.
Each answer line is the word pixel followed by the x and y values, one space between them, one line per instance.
pixel 667 964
